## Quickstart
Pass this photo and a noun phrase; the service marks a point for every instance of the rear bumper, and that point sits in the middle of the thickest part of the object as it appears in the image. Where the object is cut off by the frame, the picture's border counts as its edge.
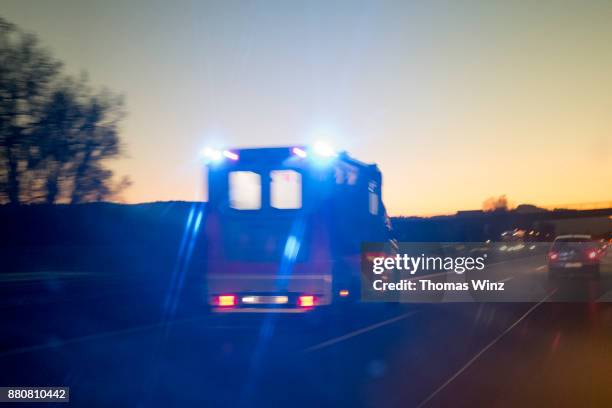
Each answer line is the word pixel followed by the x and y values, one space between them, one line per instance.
pixel 561 268
pixel 247 285
pixel 261 310
pixel 569 265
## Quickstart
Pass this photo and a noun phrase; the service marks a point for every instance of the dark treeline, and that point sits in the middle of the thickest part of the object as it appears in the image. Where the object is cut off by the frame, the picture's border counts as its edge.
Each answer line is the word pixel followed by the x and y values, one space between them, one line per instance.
pixel 56 132
pixel 102 237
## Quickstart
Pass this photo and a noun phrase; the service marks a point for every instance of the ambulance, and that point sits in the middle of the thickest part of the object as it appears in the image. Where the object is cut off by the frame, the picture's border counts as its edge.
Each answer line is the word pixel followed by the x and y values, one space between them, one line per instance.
pixel 284 227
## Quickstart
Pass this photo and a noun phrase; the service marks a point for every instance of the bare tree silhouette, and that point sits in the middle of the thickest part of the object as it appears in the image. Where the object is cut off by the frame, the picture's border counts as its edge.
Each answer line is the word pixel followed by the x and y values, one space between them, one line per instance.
pixel 496 203
pixel 26 75
pixel 55 132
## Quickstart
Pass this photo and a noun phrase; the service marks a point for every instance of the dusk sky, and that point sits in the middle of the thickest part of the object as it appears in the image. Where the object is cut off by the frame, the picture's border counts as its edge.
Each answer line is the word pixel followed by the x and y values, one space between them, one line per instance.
pixel 456 101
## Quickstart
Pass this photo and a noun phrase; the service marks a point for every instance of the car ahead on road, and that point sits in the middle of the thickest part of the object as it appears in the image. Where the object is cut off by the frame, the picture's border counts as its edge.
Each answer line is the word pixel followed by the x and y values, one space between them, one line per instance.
pixel 574 253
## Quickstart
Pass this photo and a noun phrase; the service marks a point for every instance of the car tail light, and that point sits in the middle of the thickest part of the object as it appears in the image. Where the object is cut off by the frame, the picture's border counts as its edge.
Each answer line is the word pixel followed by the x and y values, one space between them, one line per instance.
pixel 306 301
pixel 226 300
pixel 552 255
pixel 592 254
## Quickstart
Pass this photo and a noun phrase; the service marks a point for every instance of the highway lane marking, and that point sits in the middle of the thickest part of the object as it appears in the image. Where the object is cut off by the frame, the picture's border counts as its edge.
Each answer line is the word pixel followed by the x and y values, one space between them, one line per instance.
pixel 488 265
pixel 451 272
pixel 352 334
pixel 540 268
pixel 430 275
pixel 484 350
pixel 606 297
pixel 530 257
pixel 503 262
pixel 505 279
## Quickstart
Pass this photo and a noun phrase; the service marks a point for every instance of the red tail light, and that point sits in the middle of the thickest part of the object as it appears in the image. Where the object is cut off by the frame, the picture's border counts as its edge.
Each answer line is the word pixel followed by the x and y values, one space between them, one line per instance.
pixel 552 255
pixel 306 301
pixel 226 300
pixel 592 254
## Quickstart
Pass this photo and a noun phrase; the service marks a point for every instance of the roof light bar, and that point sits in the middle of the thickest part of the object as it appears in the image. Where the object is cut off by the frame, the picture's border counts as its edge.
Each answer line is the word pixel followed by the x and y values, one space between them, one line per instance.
pixel 323 149
pixel 231 155
pixel 215 156
pixel 212 154
pixel 299 152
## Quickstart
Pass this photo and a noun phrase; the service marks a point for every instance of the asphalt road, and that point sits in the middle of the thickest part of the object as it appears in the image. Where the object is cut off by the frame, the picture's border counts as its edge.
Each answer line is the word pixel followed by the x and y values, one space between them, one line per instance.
pixel 114 347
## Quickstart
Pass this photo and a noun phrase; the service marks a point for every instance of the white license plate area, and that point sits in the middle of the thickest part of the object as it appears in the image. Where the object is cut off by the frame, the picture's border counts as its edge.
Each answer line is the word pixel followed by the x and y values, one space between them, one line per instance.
pixel 573 265
pixel 265 300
